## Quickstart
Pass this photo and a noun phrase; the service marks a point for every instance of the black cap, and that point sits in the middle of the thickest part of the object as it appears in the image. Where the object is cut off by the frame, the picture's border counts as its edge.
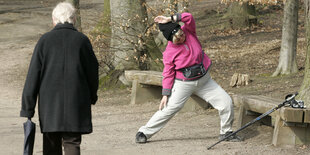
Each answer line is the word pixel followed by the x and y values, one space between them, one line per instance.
pixel 169 29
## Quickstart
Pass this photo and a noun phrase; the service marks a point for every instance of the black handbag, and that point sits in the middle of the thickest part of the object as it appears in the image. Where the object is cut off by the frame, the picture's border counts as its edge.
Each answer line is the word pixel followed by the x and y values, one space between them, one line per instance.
pixel 194 71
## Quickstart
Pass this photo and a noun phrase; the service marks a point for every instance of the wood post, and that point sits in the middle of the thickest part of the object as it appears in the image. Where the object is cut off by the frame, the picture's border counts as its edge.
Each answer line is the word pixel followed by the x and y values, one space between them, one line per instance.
pixel 291 125
pixel 144 93
pixel 289 133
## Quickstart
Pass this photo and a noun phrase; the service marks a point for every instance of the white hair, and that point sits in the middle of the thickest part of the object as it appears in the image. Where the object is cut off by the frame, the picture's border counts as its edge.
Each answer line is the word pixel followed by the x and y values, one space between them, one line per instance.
pixel 63 12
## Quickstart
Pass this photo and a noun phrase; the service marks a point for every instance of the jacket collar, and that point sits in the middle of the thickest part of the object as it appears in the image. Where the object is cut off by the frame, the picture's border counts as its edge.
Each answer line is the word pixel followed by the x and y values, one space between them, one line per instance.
pixel 64 26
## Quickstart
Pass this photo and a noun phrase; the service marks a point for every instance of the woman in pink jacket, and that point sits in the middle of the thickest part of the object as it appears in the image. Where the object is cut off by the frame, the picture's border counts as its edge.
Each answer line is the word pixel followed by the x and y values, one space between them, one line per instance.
pixel 186 72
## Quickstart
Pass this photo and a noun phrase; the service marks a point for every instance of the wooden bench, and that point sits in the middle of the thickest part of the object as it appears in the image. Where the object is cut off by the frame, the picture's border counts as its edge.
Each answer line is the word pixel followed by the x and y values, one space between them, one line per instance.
pixel 291 126
pixel 147 86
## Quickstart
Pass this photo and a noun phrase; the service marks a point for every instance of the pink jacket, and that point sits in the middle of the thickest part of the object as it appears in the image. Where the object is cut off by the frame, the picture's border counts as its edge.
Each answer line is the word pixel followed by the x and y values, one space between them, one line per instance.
pixel 176 57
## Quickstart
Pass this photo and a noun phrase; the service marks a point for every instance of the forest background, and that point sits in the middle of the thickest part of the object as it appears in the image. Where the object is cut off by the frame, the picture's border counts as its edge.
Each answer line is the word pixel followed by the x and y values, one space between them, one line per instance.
pixel 252 48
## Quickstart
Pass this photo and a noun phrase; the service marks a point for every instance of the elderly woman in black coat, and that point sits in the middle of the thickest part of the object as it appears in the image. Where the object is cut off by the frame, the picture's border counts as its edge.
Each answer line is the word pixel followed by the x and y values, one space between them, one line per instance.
pixel 63 75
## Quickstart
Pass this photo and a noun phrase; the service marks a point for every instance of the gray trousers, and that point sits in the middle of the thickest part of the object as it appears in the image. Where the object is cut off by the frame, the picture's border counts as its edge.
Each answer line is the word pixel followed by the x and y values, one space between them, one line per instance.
pixel 207 89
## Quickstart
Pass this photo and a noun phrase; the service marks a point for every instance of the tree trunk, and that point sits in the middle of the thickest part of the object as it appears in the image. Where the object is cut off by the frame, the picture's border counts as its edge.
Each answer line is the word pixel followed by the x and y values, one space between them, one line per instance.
pixel 287 62
pixel 150 48
pixel 101 38
pixel 132 43
pixel 241 16
pixel 121 46
pixel 76 4
pixel 106 18
pixel 304 92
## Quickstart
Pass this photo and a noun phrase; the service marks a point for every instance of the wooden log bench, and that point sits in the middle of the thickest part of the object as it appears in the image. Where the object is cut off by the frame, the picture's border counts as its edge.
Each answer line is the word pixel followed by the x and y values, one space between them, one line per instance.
pixel 147 86
pixel 291 126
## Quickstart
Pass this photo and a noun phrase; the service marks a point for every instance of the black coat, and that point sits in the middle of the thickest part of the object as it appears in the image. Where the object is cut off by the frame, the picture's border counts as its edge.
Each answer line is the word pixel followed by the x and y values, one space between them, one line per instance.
pixel 63 75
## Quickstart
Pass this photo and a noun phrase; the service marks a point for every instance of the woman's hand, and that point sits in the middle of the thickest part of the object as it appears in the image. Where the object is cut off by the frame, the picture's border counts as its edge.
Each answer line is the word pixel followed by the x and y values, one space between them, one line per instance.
pixel 163 102
pixel 162 19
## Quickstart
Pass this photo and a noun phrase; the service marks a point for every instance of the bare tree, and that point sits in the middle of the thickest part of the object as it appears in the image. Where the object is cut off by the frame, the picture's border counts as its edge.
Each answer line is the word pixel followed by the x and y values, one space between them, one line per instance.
pixel 287 62
pixel 100 37
pixel 132 41
pixel 123 37
pixel 304 92
pixel 241 15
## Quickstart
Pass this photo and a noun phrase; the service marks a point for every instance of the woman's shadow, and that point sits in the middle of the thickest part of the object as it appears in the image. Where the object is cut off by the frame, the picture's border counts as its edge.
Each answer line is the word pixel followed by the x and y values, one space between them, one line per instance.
pixel 245 134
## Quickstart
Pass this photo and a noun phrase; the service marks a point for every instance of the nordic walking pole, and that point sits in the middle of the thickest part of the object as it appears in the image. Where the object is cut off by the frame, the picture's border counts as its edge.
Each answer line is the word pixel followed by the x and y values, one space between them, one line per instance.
pixel 258 118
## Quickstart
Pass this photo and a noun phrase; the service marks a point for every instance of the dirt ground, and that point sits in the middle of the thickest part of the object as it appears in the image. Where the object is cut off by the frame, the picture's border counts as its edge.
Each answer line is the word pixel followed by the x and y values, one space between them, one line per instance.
pixel 116 122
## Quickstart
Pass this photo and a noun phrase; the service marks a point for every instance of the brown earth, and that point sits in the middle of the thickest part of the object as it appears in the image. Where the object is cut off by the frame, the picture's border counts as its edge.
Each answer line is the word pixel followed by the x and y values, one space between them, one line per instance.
pixel 252 51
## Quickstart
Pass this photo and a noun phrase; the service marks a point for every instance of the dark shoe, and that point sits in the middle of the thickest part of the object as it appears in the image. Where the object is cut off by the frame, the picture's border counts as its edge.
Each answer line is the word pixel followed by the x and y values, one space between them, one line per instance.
pixel 232 138
pixel 140 137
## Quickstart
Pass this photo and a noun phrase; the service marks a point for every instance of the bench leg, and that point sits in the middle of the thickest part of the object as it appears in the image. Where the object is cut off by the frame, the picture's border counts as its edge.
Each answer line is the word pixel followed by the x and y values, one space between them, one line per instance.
pixel 144 93
pixel 243 118
pixel 134 92
pixel 195 103
pixel 290 133
pixel 246 116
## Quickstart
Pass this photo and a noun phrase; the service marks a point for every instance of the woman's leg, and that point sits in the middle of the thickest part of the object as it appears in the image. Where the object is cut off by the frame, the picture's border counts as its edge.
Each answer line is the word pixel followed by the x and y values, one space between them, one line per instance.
pixel 211 92
pixel 181 91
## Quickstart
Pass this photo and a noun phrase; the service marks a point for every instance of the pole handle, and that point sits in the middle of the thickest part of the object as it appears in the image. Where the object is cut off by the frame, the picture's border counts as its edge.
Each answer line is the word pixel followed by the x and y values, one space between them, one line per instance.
pixel 291 97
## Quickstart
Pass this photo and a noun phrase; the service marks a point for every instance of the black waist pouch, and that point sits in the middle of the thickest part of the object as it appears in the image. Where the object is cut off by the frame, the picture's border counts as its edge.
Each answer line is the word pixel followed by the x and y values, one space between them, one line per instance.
pixel 194 71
